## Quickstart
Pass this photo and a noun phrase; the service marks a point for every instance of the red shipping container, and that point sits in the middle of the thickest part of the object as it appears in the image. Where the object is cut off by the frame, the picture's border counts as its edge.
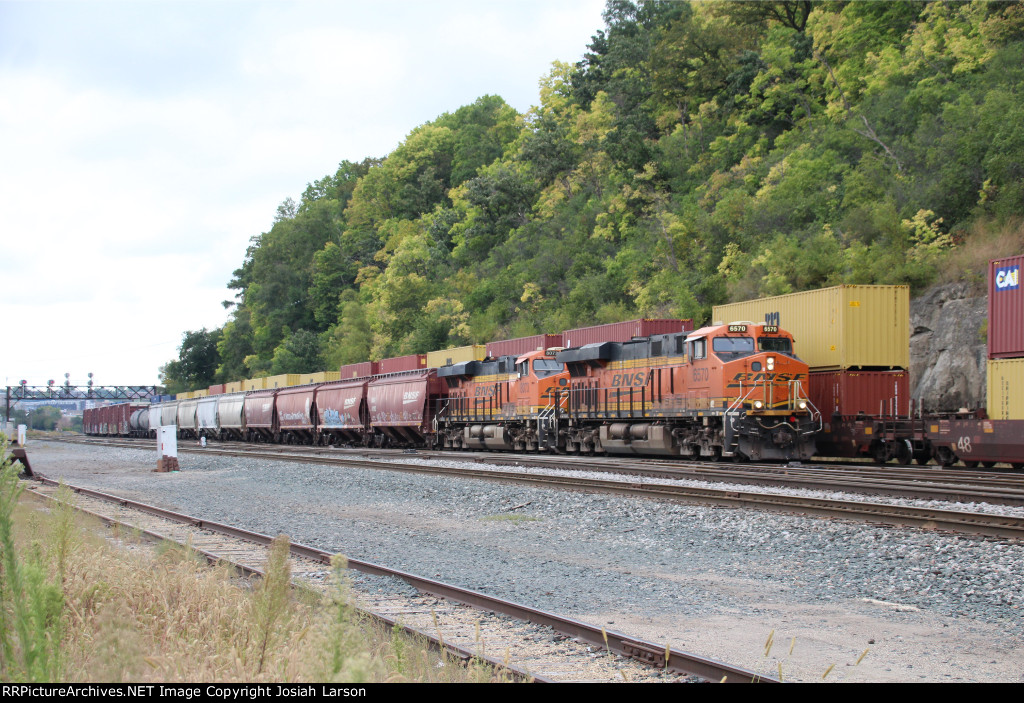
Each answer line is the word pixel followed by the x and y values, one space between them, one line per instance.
pixel 623 331
pixel 411 362
pixel 216 389
pixel 338 404
pixel 849 393
pixel 522 345
pixel 1005 308
pixel 365 368
pixel 295 408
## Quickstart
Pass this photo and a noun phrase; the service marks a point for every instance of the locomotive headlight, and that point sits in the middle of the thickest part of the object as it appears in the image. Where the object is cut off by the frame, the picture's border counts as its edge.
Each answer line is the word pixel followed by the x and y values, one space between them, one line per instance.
pixel 771 363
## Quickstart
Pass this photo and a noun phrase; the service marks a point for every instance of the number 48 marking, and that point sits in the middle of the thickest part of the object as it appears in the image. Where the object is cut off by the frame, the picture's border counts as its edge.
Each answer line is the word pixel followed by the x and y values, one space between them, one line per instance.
pixel 964 445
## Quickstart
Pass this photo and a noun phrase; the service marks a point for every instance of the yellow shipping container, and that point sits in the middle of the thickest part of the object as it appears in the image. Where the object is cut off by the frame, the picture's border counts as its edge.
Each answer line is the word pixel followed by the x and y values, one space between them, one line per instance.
pixel 325 376
pixel 283 380
pixel 254 384
pixel 235 387
pixel 1006 389
pixel 865 327
pixel 187 395
pixel 456 355
pixel 201 394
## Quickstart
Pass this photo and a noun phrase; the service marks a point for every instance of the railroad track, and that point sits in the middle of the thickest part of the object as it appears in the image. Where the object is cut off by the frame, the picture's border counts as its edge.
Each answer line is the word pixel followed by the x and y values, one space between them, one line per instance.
pixel 527 643
pixel 958 521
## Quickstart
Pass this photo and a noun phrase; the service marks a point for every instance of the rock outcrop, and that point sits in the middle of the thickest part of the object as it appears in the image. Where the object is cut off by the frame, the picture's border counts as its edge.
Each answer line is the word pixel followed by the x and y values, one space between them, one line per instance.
pixel 948 348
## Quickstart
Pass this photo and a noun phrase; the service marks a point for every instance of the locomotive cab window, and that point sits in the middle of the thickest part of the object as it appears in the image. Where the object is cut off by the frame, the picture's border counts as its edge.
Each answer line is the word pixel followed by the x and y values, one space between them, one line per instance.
pixel 547 367
pixel 698 349
pixel 775 344
pixel 523 369
pixel 729 348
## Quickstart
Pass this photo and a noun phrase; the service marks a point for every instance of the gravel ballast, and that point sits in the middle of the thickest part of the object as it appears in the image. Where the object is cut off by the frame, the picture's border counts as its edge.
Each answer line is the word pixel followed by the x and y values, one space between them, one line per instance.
pixel 714 581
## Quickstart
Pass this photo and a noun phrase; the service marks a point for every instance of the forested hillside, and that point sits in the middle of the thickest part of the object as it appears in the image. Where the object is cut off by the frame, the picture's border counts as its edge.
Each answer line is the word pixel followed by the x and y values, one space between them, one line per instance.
pixel 698 153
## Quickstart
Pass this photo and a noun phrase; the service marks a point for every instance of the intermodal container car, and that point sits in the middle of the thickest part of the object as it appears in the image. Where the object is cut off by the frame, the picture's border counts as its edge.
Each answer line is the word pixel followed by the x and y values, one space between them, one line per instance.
pixel 623 331
pixel 283 380
pixel 1006 389
pixel 455 355
pixel 254 384
pixel 522 345
pixel 850 393
pixel 1005 308
pixel 365 368
pixel 843 327
pixel 395 364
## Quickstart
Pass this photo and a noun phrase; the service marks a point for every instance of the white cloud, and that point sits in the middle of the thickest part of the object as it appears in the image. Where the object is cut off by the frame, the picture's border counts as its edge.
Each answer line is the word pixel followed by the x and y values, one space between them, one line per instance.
pixel 143 144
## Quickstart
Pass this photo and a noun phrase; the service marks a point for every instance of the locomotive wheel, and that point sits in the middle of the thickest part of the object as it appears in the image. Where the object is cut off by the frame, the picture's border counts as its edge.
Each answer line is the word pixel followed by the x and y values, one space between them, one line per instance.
pixel 971 464
pixel 988 464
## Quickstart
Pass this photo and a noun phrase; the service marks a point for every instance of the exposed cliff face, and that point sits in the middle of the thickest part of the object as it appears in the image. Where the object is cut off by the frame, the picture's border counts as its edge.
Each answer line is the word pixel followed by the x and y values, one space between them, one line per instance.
pixel 948 348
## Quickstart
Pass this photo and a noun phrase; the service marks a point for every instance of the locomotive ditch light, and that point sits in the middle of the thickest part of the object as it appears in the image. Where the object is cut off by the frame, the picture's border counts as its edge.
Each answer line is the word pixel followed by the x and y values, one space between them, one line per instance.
pixel 802 405
pixel 758 405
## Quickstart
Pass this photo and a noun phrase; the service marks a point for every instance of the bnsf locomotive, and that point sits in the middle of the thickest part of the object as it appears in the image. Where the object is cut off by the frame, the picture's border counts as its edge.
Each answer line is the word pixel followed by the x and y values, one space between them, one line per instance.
pixel 732 391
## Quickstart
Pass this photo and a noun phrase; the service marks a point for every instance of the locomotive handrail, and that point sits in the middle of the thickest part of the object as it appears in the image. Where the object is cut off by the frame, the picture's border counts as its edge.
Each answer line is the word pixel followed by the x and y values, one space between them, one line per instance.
pixel 797 388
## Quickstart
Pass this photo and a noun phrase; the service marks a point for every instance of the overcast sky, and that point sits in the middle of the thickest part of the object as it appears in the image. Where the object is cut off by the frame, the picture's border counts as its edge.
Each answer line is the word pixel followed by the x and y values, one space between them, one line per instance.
pixel 143 143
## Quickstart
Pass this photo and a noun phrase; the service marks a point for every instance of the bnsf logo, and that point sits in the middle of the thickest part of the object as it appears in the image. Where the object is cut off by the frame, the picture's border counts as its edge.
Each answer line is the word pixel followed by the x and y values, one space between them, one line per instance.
pixel 761 376
pixel 410 397
pixel 628 379
pixel 1008 278
pixel 484 391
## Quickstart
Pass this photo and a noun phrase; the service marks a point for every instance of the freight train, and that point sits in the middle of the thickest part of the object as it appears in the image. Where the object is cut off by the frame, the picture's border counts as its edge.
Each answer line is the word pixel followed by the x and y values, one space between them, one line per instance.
pixel 652 387
pixel 726 391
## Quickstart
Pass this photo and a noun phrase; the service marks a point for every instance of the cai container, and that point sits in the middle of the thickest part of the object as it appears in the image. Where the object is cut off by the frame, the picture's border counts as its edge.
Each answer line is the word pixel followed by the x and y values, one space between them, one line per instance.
pixel 1005 308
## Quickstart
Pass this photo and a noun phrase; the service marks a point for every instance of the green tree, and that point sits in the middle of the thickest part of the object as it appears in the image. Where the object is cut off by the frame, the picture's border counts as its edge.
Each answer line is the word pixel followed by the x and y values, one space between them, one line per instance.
pixel 197 362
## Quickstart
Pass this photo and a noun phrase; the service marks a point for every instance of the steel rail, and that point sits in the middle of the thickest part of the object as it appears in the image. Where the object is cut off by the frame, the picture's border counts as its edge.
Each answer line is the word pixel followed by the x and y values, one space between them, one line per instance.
pixel 984 524
pixel 436 643
pixel 898 483
pixel 642 650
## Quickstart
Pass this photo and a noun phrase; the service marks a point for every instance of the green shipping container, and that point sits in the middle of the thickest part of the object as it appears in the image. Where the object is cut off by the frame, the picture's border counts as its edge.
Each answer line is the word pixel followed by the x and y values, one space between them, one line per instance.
pixel 844 327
